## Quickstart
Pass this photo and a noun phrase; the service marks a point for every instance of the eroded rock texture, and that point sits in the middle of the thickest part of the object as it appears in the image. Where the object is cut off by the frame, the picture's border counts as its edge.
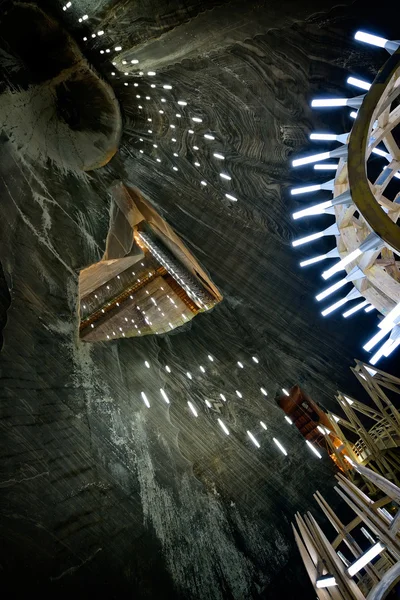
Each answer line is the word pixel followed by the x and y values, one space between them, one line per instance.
pixel 100 493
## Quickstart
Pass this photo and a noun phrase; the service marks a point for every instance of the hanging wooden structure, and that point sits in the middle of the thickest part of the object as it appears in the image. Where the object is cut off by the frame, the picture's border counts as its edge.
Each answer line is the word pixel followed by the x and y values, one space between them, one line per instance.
pixel 376 435
pixel 372 523
pixel 365 202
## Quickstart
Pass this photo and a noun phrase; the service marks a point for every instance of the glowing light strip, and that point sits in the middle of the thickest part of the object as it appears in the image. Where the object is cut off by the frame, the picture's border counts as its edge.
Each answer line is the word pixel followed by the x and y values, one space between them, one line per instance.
pixel 323 136
pixel 317 209
pixel 192 408
pixel 334 307
pixel 305 190
pixel 342 263
pixel 353 310
pixel 331 289
pixel 375 40
pixel 253 439
pixel 164 395
pixel 365 558
pixel 145 400
pixel 376 338
pixel 326 166
pixel 319 102
pixel 223 426
pixel 390 317
pixel 309 444
pixel 326 581
pixel 311 261
pixel 310 159
pixel 364 85
pixel 368 38
pixel 281 448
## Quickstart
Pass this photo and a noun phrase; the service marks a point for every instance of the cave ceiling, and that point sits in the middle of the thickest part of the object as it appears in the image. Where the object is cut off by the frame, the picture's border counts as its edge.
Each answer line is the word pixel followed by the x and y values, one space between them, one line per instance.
pixel 100 492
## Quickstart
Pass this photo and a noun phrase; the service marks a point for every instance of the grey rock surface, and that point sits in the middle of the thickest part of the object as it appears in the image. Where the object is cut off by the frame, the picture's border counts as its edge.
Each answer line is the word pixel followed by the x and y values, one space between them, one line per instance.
pixel 99 493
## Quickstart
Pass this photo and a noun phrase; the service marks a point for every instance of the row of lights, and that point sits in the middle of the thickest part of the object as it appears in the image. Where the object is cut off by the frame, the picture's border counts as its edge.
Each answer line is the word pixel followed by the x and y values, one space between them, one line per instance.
pixel 223 426
pixel 195 119
pixel 224 176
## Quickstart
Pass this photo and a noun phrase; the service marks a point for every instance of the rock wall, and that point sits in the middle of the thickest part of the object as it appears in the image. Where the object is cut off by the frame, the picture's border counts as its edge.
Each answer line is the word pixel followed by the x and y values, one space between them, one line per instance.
pixel 99 492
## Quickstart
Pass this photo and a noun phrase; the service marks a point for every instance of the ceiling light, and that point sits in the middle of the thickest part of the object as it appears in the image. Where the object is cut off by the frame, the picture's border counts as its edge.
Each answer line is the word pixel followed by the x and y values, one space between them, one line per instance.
pixel 264 391
pixel 333 288
pixel 364 85
pixel 326 166
pixel 164 395
pixel 329 102
pixel 263 425
pixel 145 400
pixel 311 261
pixel 192 408
pixel 342 263
pixel 306 189
pixel 313 449
pixel 289 420
pixel 323 136
pixel 365 558
pixel 374 40
pixel 325 581
pixel 334 307
pixel 391 317
pixel 285 392
pixel 253 439
pixel 223 426
pixel 232 198
pixel 310 159
pixel 281 448
pixel 332 230
pixel 355 308
pixel 317 209
pixel 376 338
